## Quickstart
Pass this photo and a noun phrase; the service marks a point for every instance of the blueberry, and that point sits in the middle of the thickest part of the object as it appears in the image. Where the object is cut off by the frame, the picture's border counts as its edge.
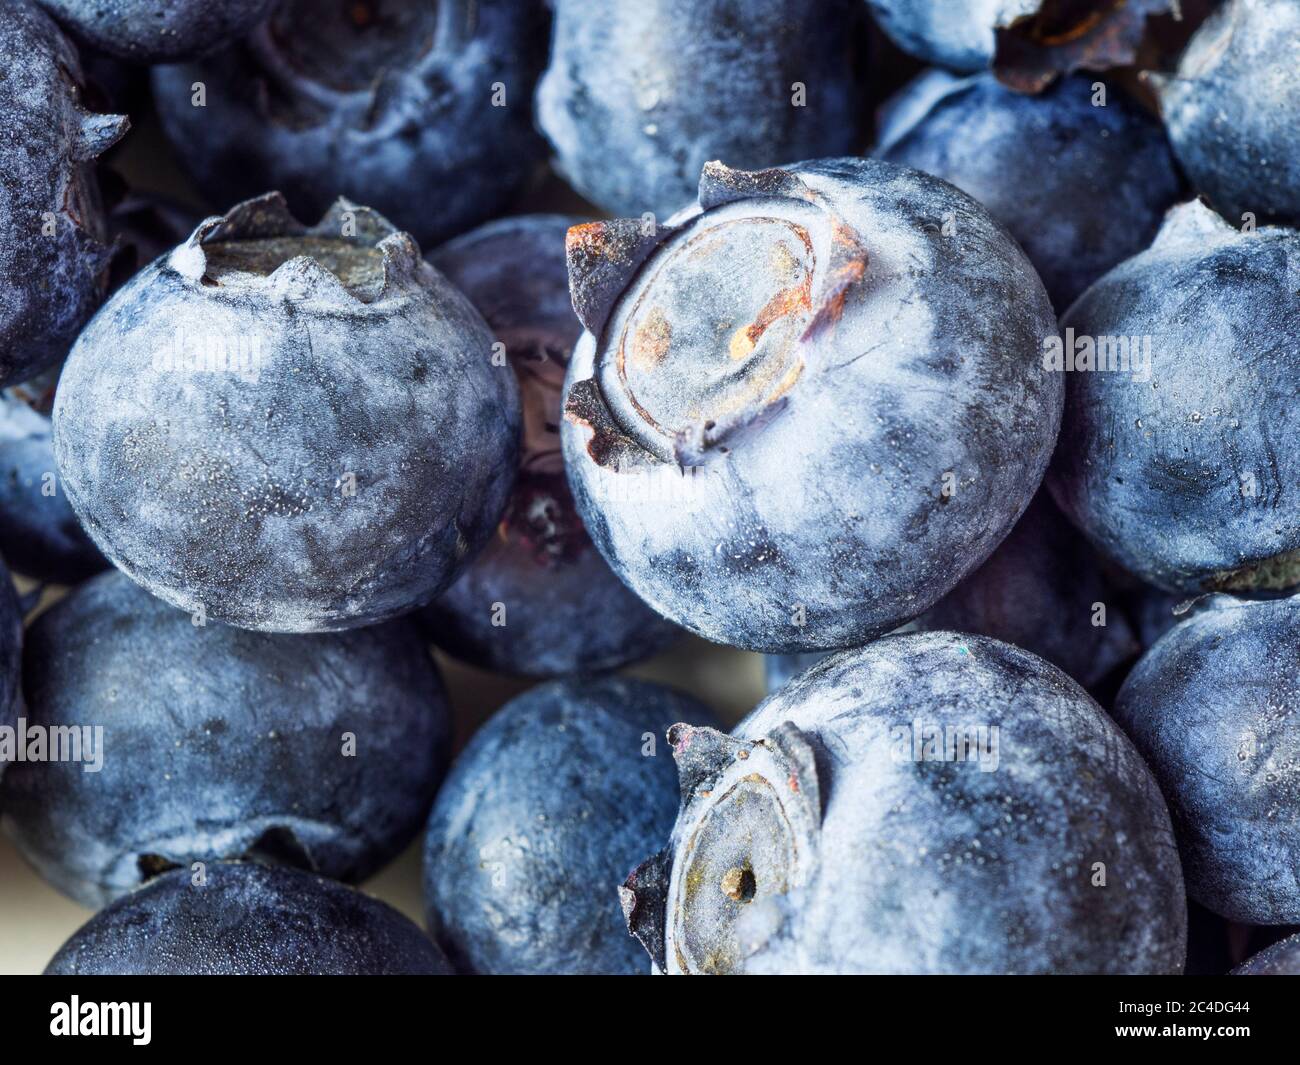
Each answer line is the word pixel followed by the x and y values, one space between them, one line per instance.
pixel 549 806
pixel 638 97
pixel 1101 199
pixel 317 751
pixel 157 31
pixel 240 919
pixel 1281 959
pixel 802 416
pixel 423 110
pixel 539 600
pixel 930 803
pixel 1028 42
pixel 53 257
pixel 288 429
pixel 40 536
pixel 1233 107
pixel 1215 709
pixel 1174 455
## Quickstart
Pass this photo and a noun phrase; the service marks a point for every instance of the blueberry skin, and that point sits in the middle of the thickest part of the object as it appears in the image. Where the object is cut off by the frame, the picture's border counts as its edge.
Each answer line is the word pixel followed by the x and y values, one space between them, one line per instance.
pixel 855 451
pixel 221 743
pixel 638 97
pixel 230 491
pixel 247 920
pixel 565 610
pixel 1187 479
pixel 51 281
pixel 1233 107
pixel 1039 590
pixel 1110 182
pixel 40 536
pixel 859 857
pixel 1281 959
pixel 542 815
pixel 422 110
pixel 1027 42
pixel 1214 707
pixel 959 36
pixel 158 31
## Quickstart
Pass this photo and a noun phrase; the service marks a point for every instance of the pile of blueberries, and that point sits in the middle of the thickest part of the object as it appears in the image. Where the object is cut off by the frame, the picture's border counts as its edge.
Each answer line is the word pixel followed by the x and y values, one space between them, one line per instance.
pixel 982 422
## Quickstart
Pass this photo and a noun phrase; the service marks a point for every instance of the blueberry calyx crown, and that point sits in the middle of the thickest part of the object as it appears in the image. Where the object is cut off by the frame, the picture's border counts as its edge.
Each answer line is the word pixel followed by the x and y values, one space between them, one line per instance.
pixel 1061 36
pixel 747 834
pixel 352 257
pixel 703 328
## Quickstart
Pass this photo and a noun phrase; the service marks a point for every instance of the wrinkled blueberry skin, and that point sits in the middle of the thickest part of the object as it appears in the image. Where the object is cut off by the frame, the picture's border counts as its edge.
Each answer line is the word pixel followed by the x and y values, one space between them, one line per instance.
pixel 565 610
pixel 1215 709
pixel 247 920
pixel 1281 959
pixel 40 536
pixel 49 284
pixel 630 138
pixel 906 432
pixel 229 491
pixel 1189 479
pixel 390 102
pixel 221 743
pixel 903 846
pixel 1233 107
pixel 1110 182
pixel 158 31
pixel 541 817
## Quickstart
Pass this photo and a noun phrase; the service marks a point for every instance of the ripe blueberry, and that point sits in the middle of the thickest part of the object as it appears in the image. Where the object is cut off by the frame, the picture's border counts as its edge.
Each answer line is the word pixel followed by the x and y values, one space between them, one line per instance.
pixel 242 919
pixel 638 97
pixel 1177 464
pixel 1232 110
pixel 545 811
pixel 1101 200
pixel 930 803
pixel 801 416
pixel 424 110
pixel 1214 707
pixel 286 428
pixel 53 258
pixel 318 751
